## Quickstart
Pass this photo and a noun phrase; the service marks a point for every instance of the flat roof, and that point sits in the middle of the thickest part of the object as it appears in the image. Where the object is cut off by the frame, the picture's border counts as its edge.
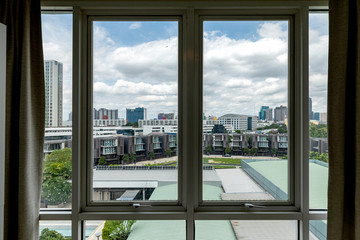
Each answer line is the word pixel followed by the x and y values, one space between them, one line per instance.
pixel 143 178
pixel 276 172
pixel 176 229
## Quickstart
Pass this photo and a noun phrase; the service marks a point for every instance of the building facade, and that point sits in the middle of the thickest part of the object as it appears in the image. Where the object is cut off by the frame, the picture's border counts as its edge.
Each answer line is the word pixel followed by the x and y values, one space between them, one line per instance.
pixel 239 122
pixel 166 116
pixel 280 114
pixel 53 93
pixel 262 112
pixel 136 114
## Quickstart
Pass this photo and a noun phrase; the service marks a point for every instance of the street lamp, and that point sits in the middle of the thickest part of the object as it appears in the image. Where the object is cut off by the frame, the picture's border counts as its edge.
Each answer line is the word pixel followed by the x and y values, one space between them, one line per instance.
pixel 98 235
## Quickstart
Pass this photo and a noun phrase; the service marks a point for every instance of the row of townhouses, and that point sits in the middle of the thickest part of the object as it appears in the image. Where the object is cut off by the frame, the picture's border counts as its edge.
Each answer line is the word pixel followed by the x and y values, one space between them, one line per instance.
pixel 265 144
pixel 113 145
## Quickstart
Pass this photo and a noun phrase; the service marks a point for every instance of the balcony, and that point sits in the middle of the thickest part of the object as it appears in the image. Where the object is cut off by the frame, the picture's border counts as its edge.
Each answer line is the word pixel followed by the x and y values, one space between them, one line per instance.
pixel 283 145
pixel 157 146
pixel 109 143
pixel 139 147
pixel 263 145
pixel 108 151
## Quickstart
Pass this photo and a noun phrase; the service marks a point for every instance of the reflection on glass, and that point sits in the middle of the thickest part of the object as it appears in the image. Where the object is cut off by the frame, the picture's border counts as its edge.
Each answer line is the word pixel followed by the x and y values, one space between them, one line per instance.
pixel 136 229
pixel 249 230
pixel 245 119
pixel 318 143
pixel 318 230
pixel 135 85
pixel 57 45
pixel 55 230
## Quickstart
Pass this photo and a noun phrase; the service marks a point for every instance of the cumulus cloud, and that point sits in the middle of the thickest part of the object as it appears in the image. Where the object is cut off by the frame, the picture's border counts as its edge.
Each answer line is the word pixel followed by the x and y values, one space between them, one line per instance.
pixel 135 25
pixel 239 75
pixel 57 45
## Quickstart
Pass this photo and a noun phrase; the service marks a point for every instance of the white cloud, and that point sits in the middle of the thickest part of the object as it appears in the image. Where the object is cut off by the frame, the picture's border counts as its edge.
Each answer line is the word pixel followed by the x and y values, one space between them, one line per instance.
pixel 135 25
pixel 240 75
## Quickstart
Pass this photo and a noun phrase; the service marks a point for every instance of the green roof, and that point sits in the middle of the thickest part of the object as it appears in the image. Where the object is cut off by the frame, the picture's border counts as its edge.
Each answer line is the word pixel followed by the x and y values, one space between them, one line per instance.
pixel 176 229
pixel 276 172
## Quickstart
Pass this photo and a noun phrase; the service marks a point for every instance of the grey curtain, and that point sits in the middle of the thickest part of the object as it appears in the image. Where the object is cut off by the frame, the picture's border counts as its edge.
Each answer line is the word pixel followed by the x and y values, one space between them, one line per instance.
pixel 344 120
pixel 25 114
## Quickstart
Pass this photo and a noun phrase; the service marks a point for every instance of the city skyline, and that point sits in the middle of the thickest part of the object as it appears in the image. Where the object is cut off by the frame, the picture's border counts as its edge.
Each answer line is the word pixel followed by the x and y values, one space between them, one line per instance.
pixel 112 83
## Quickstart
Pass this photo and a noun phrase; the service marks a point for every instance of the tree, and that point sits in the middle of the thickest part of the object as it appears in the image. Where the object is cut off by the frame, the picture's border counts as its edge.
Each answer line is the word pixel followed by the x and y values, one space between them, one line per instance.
pixel 249 141
pixel 253 151
pixel 208 150
pixel 314 155
pixel 47 234
pixel 168 152
pixel 238 131
pixel 122 231
pixel 318 131
pixel 227 150
pixel 56 185
pixel 132 157
pixel 102 160
pixel 273 151
pixel 230 138
pixel 118 229
pixel 125 158
pixel 246 151
pixel 151 155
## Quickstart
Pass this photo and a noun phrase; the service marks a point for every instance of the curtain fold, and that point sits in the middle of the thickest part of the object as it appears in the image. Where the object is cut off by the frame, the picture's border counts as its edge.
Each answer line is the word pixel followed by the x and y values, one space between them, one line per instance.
pixel 344 120
pixel 25 114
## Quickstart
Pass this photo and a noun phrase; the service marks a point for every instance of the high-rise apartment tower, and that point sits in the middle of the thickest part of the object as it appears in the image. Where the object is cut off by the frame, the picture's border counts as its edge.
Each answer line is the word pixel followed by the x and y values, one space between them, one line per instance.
pixel 53 93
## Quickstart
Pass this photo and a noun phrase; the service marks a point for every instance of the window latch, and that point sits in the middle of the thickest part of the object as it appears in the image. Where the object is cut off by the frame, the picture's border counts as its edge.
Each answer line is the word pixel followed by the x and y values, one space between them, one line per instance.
pixel 250 205
pixel 137 205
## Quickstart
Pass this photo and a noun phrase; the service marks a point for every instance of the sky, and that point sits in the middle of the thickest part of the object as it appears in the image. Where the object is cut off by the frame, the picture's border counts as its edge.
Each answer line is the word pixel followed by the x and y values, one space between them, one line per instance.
pixel 135 64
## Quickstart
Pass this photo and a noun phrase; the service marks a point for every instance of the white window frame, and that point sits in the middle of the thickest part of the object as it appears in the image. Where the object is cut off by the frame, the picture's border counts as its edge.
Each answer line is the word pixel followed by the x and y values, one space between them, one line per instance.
pixel 189 207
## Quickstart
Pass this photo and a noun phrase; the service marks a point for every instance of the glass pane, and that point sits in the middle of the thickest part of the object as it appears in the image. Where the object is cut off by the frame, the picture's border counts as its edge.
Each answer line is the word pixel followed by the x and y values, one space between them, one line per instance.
pixel 245 119
pixel 135 104
pixel 246 230
pixel 318 230
pixel 57 44
pixel 54 230
pixel 136 230
pixel 318 60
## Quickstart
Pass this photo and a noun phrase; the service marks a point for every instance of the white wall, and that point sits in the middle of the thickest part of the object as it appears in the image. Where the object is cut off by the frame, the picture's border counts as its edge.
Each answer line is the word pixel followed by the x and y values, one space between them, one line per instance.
pixel 2 123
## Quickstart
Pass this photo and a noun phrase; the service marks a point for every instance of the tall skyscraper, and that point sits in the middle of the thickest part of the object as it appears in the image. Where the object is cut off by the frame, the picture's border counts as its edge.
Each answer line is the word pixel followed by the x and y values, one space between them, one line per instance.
pixel 53 93
pixel 136 114
pixel 268 114
pixel 311 114
pixel 262 112
pixel 280 113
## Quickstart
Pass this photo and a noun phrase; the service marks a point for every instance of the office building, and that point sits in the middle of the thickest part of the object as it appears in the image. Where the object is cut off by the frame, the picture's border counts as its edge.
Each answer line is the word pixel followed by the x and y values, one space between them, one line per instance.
pixel 323 118
pixel 136 114
pixel 316 116
pixel 238 121
pixel 280 114
pixel 262 112
pixel 104 113
pixel 53 93
pixel 166 116
pixel 268 114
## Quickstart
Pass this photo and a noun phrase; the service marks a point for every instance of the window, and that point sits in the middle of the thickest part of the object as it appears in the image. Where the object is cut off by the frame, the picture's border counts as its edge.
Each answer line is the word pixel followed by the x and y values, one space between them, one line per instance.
pixel 210 122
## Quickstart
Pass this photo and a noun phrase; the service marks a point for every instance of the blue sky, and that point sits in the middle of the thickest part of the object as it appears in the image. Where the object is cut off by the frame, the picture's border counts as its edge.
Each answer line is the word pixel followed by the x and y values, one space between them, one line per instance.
pixel 135 63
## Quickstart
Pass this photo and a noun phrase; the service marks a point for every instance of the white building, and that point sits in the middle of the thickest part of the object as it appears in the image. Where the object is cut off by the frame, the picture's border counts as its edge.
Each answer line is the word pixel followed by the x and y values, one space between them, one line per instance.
pixel 239 121
pixel 53 93
pixel 109 122
pixel 323 118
